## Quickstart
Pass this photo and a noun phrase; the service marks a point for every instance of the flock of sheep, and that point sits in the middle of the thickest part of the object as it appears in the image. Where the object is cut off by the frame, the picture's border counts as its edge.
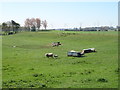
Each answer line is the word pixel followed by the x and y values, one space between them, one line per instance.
pixel 70 53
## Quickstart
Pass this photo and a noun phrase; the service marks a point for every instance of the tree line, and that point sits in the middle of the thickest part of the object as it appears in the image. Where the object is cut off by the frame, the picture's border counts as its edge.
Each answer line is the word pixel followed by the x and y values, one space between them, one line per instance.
pixel 33 24
pixel 10 27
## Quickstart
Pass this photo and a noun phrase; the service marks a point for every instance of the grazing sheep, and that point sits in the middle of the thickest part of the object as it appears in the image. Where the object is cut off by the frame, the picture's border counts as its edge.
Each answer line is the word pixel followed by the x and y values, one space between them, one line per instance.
pixel 56 44
pixel 88 50
pixel 82 53
pixel 55 56
pixel 49 55
pixel 93 49
pixel 74 53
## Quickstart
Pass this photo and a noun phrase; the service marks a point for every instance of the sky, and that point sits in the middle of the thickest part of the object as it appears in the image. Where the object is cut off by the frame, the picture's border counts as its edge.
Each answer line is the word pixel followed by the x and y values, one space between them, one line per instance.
pixel 62 14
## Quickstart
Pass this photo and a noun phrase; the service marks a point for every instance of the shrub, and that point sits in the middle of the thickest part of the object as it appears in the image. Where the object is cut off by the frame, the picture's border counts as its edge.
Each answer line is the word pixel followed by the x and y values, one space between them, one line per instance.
pixel 102 80
pixel 35 75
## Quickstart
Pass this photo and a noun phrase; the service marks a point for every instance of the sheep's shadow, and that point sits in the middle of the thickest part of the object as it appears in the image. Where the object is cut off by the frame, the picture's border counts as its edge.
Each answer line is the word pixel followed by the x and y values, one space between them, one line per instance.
pixel 78 56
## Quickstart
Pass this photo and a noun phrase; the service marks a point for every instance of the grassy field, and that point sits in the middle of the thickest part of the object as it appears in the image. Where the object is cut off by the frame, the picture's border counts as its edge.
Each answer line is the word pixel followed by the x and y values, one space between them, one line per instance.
pixel 25 66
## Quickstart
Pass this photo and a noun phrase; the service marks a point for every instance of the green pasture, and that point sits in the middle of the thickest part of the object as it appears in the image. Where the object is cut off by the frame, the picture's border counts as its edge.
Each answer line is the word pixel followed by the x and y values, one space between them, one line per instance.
pixel 25 66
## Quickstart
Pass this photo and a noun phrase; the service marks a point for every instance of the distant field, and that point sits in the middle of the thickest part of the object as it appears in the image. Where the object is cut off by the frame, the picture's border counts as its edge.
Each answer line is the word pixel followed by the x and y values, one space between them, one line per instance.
pixel 26 66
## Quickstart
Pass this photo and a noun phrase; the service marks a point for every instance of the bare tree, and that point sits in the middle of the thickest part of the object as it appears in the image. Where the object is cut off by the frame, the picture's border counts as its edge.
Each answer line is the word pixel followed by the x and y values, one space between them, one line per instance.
pixel 33 24
pixel 27 23
pixel 30 24
pixel 44 24
pixel 38 22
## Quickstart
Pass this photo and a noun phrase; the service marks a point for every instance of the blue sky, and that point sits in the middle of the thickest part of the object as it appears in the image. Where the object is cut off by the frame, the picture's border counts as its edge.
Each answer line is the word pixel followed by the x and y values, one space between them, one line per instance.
pixel 63 14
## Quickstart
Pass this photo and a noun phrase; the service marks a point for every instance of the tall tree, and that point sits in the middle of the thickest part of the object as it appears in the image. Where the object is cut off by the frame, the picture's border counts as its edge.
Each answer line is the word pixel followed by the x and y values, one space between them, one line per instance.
pixel 15 26
pixel 33 24
pixel 38 22
pixel 44 24
pixel 27 23
pixel 4 27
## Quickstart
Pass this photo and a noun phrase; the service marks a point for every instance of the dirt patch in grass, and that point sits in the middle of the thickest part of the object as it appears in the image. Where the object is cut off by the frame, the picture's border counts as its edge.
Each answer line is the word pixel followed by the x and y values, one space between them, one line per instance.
pixel 34 46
